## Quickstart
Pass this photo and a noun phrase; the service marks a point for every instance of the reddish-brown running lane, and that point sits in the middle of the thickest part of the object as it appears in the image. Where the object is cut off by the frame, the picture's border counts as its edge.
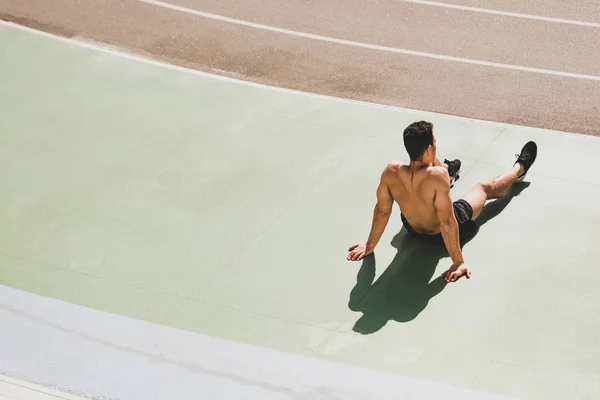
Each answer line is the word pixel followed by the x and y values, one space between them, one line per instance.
pixel 450 87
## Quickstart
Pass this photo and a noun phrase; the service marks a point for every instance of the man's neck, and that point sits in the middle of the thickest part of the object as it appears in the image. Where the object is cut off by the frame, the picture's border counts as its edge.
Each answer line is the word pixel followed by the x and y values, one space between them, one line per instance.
pixel 417 165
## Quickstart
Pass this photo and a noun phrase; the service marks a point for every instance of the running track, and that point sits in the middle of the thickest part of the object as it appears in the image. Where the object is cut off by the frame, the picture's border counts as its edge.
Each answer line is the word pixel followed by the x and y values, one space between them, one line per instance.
pixel 531 63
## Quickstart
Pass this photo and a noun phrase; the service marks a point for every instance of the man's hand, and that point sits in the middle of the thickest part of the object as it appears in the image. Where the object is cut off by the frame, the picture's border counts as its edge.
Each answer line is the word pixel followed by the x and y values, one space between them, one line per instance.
pixel 359 251
pixel 455 272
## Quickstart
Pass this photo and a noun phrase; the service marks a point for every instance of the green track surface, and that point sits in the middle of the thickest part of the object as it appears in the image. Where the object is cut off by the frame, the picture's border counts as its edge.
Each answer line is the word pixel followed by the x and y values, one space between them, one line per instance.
pixel 227 209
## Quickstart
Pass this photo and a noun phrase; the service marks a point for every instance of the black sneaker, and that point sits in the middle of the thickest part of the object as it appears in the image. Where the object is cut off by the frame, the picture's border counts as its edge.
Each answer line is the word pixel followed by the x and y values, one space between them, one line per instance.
pixel 526 158
pixel 453 170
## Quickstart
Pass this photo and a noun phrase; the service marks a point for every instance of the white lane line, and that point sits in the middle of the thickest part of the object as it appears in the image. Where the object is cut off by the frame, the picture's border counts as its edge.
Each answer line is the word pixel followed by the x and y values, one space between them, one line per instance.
pixel 504 13
pixel 368 45
pixel 161 64
pixel 16 389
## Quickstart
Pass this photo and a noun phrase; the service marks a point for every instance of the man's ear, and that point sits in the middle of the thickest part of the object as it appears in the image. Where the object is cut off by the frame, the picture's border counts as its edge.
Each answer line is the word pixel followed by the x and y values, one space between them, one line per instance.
pixel 429 150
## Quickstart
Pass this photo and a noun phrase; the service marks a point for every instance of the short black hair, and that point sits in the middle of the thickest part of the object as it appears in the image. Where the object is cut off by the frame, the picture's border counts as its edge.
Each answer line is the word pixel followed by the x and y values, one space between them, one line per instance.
pixel 417 137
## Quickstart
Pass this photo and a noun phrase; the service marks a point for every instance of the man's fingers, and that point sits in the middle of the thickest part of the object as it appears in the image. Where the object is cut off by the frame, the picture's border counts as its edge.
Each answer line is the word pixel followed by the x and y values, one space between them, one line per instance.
pixel 451 277
pixel 359 255
pixel 454 275
pixel 353 247
pixel 448 276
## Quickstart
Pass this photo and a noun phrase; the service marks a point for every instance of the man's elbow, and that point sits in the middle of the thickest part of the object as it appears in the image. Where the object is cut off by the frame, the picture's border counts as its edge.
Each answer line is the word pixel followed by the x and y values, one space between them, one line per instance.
pixel 447 224
pixel 383 212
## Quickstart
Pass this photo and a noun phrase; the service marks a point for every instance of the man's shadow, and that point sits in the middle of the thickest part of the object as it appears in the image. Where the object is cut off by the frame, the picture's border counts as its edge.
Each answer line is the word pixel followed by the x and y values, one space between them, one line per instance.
pixel 405 288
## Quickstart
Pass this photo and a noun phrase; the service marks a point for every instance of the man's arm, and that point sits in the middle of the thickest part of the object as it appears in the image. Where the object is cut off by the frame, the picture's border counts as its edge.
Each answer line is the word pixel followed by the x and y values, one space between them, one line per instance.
pixel 381 215
pixel 448 223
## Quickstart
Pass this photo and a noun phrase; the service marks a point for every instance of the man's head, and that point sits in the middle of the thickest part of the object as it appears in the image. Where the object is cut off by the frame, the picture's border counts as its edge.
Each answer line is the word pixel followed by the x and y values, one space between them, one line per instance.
pixel 420 142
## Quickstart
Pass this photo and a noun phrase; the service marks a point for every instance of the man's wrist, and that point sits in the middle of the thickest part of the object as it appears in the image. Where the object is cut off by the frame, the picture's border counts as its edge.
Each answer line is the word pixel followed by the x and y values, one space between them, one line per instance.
pixel 458 263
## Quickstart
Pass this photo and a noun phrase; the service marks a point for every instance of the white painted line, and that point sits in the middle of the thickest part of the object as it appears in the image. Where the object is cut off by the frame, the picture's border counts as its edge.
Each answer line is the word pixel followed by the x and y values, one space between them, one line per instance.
pixel 368 45
pixel 17 389
pixel 149 61
pixel 504 13
pixel 103 355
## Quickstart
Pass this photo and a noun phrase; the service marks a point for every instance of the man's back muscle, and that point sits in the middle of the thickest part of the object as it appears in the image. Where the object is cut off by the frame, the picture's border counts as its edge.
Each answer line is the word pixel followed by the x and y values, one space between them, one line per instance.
pixel 414 191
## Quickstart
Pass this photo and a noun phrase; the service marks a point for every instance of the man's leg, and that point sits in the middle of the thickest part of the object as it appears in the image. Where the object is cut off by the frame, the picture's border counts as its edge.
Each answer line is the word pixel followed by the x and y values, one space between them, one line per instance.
pixel 453 168
pixel 438 163
pixel 499 186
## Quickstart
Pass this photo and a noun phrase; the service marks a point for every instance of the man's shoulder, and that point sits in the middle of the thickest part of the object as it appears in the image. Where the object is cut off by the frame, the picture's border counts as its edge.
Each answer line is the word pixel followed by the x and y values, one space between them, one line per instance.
pixel 437 171
pixel 392 168
pixel 394 165
pixel 438 176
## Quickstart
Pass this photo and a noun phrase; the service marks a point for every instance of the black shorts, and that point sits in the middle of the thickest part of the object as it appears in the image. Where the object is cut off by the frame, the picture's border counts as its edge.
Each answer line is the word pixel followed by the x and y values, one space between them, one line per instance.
pixel 466 226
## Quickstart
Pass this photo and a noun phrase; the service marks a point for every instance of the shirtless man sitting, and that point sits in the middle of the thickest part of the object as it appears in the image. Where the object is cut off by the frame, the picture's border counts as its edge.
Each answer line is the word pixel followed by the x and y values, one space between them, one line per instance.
pixel 422 191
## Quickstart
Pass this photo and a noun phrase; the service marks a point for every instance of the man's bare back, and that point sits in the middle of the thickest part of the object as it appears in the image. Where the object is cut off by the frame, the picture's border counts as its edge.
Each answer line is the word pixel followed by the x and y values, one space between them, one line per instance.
pixel 422 191
pixel 414 190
